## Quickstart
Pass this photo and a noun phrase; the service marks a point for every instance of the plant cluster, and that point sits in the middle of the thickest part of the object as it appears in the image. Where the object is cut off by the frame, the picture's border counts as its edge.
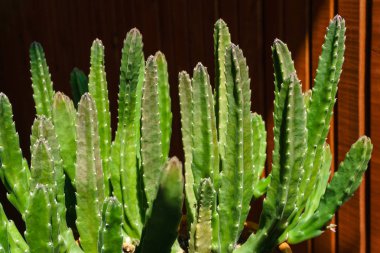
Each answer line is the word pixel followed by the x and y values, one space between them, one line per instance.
pixel 86 192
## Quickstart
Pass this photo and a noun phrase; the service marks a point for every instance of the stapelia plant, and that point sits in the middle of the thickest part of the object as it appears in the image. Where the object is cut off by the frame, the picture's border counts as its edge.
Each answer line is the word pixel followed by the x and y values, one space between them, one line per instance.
pixel 85 192
pixel 225 143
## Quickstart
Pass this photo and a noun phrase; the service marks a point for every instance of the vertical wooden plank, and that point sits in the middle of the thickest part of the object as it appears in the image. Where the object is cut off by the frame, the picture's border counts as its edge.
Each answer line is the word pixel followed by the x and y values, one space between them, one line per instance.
pixel 145 15
pixel 228 11
pixel 198 26
pixel 183 30
pixel 15 61
pixel 194 20
pixel 250 38
pixel 296 35
pixel 273 22
pixel 9 12
pixel 176 58
pixel 181 36
pixel 374 200
pixel 351 234
pixel 321 12
pixel 209 18
pixel 251 41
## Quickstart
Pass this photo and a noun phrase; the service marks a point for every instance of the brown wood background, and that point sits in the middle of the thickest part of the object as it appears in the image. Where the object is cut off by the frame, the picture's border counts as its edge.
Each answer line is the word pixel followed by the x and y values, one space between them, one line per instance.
pixel 182 29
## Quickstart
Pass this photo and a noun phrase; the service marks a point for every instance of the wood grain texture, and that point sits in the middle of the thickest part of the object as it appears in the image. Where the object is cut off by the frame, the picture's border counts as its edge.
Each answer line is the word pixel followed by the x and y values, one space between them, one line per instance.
pixel 182 30
pixel 250 21
pixel 172 26
pixel 321 12
pixel 273 27
pixel 297 14
pixel 374 95
pixel 350 121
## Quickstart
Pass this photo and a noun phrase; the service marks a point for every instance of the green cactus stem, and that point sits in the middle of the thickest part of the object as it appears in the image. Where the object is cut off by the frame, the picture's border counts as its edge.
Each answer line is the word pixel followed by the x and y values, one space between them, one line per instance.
pixel 10 238
pixel 110 234
pixel 16 241
pixel 38 221
pixel 298 205
pixel 342 186
pixel 4 241
pixel 222 39
pixel 152 146
pixel 47 168
pixel 41 80
pixel 125 152
pixel 164 102
pixel 14 171
pixel 204 145
pixel 46 157
pixel 64 125
pixel 322 99
pixel 97 86
pixel 306 98
pixel 43 172
pixel 89 176
pixel 186 129
pixel 161 228
pixel 289 149
pixel 201 230
pixel 79 84
pixel 259 155
pixel 282 63
pixel 236 189
pixel 151 135
pixel 42 165
pixel 324 163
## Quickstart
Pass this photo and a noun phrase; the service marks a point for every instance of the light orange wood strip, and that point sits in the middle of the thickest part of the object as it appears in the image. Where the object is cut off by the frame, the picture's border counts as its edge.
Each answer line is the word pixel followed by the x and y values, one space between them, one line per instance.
pixel 322 12
pixel 351 123
pixel 374 200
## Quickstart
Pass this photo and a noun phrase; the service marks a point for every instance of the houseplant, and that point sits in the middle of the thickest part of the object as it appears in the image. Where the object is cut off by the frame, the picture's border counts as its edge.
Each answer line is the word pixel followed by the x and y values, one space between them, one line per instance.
pixel 225 143
pixel 76 166
pixel 85 192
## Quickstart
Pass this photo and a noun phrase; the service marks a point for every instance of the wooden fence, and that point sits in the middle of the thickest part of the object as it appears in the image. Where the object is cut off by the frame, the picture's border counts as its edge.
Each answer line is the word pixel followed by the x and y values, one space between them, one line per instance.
pixel 183 29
